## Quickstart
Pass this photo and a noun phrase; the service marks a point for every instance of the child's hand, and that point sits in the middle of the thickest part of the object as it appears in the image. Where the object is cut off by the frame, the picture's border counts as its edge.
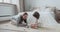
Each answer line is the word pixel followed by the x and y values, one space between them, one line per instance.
pixel 34 26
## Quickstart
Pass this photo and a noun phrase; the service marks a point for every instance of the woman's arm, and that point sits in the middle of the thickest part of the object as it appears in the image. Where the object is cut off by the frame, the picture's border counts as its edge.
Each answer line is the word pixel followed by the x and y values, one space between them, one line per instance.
pixel 14 20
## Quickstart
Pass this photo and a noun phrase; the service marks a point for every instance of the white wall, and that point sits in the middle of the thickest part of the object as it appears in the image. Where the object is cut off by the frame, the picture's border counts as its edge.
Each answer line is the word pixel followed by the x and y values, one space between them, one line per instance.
pixel 41 3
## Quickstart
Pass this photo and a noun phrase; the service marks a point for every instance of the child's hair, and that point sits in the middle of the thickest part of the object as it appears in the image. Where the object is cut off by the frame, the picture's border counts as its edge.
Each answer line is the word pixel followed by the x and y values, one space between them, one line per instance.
pixel 36 15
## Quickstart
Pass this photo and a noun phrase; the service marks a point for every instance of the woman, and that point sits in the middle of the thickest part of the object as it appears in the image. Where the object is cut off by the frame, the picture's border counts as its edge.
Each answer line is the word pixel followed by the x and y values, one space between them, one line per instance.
pixel 21 18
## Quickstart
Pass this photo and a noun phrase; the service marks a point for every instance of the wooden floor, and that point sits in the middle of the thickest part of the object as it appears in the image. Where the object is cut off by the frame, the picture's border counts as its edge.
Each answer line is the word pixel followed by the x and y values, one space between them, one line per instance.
pixel 8 27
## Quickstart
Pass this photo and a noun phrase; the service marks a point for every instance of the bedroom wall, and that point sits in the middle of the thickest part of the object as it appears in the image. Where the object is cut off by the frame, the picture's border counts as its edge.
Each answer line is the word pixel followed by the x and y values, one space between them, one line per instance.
pixel 41 3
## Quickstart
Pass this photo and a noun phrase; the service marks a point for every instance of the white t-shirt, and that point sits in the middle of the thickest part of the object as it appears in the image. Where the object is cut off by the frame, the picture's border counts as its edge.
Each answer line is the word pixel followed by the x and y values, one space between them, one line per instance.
pixel 31 20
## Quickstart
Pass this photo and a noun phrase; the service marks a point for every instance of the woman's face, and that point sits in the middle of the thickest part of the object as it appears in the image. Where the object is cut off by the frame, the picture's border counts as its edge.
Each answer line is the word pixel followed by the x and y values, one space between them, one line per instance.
pixel 25 16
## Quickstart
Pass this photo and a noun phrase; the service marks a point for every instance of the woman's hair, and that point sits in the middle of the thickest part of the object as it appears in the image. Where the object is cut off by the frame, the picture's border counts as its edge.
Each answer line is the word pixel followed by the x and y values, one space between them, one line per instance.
pixel 36 15
pixel 25 13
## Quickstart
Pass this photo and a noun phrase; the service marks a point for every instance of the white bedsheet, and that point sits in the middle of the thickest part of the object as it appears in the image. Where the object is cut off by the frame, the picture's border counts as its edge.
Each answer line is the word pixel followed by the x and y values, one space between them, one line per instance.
pixel 47 19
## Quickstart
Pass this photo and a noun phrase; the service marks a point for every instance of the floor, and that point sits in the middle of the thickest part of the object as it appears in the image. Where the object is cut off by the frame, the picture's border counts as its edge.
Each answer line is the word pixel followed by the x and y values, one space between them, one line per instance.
pixel 8 27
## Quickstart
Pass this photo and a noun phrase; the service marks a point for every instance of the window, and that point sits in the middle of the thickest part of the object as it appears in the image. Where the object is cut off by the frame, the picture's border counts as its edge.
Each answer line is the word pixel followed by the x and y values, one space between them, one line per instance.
pixel 16 2
pixel 7 1
pixel 10 1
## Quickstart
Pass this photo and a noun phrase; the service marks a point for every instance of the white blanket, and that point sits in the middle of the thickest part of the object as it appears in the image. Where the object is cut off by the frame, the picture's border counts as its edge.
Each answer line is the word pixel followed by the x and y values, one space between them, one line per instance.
pixel 47 20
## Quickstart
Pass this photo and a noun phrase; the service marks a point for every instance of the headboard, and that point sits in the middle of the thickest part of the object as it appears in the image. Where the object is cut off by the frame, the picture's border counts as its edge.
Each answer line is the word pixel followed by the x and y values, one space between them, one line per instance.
pixel 7 9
